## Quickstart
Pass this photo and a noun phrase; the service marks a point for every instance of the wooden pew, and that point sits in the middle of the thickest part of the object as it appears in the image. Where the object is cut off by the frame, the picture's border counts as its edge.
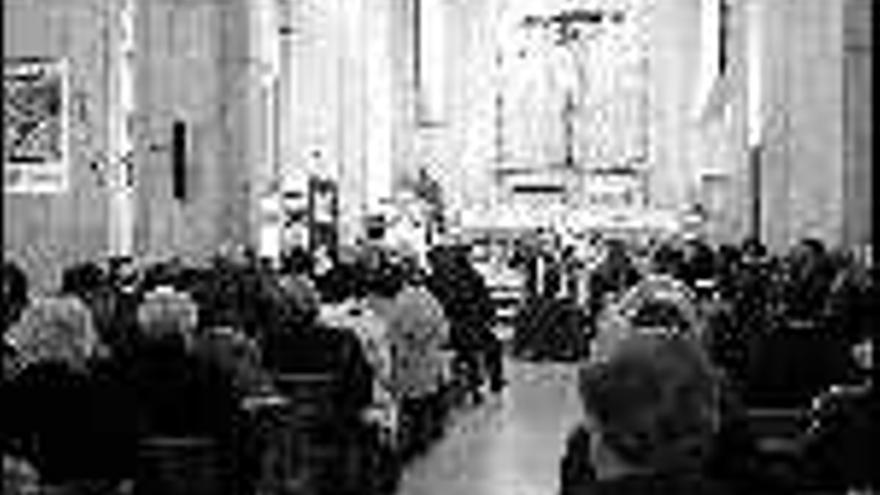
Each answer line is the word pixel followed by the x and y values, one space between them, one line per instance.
pixel 183 466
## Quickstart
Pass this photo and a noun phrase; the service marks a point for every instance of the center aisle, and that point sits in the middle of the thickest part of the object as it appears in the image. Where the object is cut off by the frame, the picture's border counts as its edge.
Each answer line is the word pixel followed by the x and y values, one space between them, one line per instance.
pixel 511 444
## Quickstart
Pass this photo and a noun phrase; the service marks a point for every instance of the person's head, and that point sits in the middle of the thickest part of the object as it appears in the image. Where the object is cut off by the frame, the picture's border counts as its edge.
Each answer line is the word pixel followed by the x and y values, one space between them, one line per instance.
pixel 729 257
pixel 57 329
pixel 667 260
pixel 385 280
pixel 410 268
pixel 651 406
pixel 700 259
pixel 166 315
pixel 863 355
pixel 159 274
pixel 662 315
pixel 650 310
pixel 348 254
pixel 15 293
pixel 753 250
pixel 616 251
pixel 300 302
pixel 82 279
pixel 297 261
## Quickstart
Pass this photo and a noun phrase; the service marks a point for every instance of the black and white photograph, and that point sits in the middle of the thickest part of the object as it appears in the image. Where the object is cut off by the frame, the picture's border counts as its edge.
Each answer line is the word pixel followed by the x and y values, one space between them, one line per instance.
pixel 438 247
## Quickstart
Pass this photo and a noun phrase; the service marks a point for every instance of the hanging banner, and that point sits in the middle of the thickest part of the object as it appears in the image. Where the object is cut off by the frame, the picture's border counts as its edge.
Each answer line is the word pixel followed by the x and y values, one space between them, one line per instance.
pixel 36 156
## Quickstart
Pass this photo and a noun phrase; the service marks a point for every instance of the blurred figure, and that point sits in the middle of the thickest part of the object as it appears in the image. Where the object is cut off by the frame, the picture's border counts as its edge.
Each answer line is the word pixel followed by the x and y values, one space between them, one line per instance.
pixel 346 307
pixel 652 408
pixel 82 280
pixel 19 477
pixel 661 283
pixel 699 269
pixel 651 312
pixel 304 344
pixel 96 287
pixel 58 345
pixel 178 393
pixel 467 304
pixel 810 277
pixel 55 330
pixel 297 261
pixel 614 275
pixel 417 333
pixel 752 291
pixel 15 293
pixel 728 264
pixel 838 454
pixel 847 309
pixel 15 300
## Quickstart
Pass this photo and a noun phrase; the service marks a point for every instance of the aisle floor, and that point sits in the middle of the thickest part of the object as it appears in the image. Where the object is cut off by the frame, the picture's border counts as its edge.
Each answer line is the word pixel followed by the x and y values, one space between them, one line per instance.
pixel 511 444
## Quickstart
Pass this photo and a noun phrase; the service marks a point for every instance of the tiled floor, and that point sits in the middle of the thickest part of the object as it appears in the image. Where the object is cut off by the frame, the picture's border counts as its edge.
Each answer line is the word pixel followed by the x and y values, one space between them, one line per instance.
pixel 509 445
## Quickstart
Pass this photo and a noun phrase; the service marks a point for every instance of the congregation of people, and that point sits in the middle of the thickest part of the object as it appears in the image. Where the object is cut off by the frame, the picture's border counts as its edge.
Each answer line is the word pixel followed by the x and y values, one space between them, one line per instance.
pixel 724 371
pixel 237 377
pixel 703 370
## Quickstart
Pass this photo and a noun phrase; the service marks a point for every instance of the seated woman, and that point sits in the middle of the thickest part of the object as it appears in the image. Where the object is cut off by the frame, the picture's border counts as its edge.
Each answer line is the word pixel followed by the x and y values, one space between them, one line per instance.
pixel 417 333
pixel 63 415
pixel 651 408
pixel 345 306
pixel 303 344
pixel 305 347
pixel 179 393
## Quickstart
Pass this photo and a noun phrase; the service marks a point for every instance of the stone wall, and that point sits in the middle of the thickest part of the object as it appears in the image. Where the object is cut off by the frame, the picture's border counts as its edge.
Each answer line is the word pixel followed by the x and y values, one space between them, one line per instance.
pixel 802 162
pixel 813 147
pixel 195 62
pixel 858 130
pixel 48 232
pixel 674 52
pixel 194 67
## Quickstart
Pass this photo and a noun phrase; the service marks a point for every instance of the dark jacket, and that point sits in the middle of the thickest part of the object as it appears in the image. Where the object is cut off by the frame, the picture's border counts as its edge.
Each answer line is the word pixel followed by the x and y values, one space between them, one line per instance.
pixel 840 451
pixel 323 349
pixel 179 394
pixel 71 424
pixel 467 305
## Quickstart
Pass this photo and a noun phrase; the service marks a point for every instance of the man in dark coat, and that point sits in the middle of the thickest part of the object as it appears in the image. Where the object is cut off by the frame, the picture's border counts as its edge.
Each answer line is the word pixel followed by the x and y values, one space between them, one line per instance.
pixel 468 306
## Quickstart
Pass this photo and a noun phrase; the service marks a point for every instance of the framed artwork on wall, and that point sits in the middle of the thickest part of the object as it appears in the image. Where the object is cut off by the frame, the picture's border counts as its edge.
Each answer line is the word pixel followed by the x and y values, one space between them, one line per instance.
pixel 36 125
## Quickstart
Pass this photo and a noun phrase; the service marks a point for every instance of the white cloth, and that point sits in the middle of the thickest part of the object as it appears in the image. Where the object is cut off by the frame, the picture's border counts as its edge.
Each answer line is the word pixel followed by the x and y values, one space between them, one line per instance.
pixel 417 332
pixel 372 332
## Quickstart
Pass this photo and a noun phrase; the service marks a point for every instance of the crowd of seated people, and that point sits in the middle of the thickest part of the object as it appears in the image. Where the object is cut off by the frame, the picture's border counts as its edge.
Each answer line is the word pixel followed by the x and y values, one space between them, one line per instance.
pixel 226 376
pixel 129 373
pixel 730 370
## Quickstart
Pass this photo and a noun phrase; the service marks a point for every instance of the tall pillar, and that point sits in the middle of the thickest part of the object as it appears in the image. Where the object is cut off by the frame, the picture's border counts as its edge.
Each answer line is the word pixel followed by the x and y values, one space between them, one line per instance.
pixel 121 143
pixel 380 103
